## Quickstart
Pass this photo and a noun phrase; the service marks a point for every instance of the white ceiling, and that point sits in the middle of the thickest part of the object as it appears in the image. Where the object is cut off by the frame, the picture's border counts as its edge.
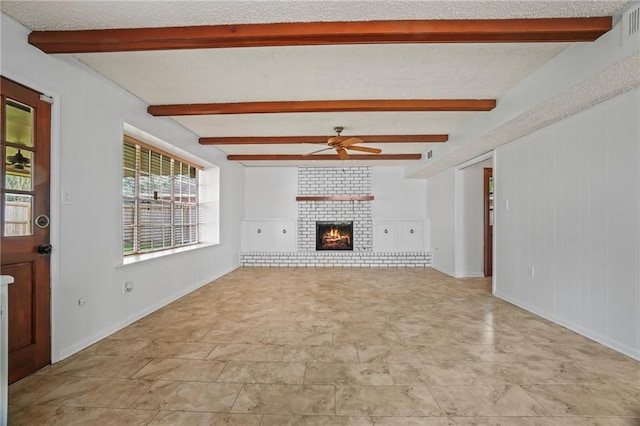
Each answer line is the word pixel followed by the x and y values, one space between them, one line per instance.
pixel 98 14
pixel 408 71
pixel 411 71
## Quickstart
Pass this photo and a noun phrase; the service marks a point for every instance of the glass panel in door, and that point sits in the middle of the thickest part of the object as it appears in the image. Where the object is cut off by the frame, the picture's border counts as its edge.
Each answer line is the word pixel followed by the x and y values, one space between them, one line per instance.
pixel 18 155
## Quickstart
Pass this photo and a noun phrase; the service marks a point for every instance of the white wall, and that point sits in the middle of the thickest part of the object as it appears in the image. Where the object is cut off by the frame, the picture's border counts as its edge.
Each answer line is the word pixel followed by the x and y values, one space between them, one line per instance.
pixel 397 197
pixel 441 211
pixel 88 117
pixel 270 192
pixel 573 194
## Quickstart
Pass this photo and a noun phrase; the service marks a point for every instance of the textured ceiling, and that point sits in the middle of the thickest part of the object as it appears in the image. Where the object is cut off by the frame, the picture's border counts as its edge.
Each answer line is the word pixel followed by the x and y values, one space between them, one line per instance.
pixel 83 14
pixel 310 124
pixel 415 71
pixel 387 71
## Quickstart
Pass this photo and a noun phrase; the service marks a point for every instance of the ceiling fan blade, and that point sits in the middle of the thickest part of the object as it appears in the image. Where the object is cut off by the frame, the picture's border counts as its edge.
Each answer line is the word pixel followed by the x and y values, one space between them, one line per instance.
pixel 315 152
pixel 350 141
pixel 342 153
pixel 366 149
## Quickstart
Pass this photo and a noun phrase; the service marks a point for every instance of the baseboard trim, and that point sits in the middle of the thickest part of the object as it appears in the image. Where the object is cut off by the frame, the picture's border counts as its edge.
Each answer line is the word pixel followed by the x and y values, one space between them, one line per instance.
pixel 471 275
pixel 443 270
pixel 590 334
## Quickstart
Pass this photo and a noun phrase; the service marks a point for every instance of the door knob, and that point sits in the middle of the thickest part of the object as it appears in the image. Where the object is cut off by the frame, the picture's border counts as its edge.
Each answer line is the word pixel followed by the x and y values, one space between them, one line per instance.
pixel 44 249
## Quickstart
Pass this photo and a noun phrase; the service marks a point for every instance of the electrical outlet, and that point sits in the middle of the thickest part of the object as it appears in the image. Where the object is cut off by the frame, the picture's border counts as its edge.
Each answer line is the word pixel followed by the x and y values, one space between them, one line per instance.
pixel 128 287
pixel 82 301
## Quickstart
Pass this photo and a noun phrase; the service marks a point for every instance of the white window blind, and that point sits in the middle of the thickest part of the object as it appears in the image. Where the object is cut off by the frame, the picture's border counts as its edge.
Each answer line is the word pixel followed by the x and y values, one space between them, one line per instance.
pixel 160 199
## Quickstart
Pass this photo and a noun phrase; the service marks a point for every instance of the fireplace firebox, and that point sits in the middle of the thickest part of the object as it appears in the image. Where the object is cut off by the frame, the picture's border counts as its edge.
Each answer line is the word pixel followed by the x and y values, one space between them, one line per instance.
pixel 334 235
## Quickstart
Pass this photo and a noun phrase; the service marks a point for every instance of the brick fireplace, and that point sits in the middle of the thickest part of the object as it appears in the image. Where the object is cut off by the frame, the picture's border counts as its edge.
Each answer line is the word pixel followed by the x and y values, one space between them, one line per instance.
pixel 335 181
pixel 339 195
pixel 331 235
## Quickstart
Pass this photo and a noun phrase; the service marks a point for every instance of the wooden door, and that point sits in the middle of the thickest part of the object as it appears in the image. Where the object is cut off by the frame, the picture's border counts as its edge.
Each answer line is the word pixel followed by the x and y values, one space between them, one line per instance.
pixel 24 210
pixel 488 222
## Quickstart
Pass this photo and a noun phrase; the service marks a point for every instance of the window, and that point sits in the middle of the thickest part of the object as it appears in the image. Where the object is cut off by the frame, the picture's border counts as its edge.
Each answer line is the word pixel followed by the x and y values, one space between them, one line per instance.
pixel 160 207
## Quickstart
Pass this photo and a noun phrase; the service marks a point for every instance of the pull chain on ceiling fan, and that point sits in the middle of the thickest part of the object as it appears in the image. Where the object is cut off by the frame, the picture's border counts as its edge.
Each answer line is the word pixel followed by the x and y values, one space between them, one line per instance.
pixel 342 144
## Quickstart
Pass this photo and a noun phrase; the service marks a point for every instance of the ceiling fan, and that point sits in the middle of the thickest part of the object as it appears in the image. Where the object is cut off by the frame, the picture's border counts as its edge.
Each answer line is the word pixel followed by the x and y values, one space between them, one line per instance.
pixel 18 161
pixel 341 144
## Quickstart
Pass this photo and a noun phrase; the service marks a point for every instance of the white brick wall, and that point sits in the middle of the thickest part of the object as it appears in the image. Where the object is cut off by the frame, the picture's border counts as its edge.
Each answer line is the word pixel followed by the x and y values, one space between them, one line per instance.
pixel 335 259
pixel 334 181
pixel 357 211
pixel 320 181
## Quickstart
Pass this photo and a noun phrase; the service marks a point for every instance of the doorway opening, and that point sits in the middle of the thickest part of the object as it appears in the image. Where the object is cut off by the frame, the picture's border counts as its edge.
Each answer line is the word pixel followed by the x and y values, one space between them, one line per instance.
pixel 488 221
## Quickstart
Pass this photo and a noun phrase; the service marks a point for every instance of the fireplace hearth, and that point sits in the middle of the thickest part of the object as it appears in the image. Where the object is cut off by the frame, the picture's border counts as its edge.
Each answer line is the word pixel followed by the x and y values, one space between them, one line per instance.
pixel 334 235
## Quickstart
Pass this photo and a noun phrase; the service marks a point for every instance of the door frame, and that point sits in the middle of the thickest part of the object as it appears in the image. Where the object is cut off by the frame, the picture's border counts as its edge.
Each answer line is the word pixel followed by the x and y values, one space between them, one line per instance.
pixel 54 199
pixel 460 239
pixel 489 209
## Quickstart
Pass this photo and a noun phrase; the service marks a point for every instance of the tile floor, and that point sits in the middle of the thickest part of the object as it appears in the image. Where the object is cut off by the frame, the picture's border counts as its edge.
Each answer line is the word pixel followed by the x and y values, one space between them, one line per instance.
pixel 336 347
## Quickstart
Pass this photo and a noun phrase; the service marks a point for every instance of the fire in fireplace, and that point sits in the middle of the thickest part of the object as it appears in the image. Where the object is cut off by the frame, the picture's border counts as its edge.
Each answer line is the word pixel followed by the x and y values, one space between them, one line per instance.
pixel 334 235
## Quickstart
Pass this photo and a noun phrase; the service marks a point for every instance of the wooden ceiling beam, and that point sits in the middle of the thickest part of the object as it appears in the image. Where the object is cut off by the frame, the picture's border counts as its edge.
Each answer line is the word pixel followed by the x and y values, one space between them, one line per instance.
pixel 286 157
pixel 364 105
pixel 323 33
pixel 277 140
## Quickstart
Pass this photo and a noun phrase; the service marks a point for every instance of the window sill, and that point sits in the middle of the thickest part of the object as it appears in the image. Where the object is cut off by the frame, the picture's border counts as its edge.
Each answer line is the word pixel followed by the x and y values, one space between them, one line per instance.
pixel 137 259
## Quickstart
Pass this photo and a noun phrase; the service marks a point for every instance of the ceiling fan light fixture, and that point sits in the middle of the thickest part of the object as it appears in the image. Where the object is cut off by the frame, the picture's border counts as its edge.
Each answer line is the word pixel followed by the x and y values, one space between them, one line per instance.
pixel 18 160
pixel 335 139
pixel 341 144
